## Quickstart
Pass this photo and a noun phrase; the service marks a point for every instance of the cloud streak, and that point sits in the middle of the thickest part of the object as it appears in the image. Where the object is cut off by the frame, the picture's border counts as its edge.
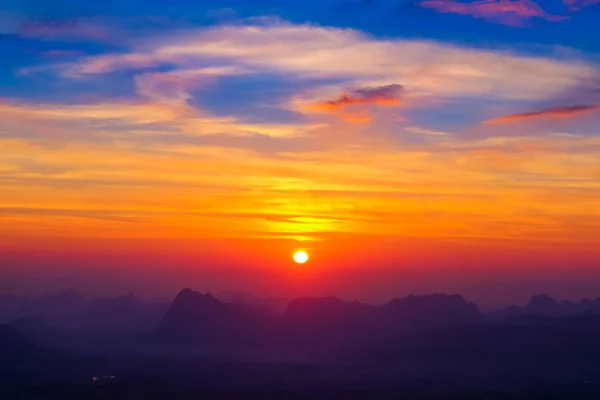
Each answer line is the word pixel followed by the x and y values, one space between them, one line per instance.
pixel 555 112
pixel 508 12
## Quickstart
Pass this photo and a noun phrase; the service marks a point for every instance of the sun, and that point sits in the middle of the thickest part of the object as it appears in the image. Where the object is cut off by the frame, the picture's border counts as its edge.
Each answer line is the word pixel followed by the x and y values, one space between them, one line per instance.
pixel 300 257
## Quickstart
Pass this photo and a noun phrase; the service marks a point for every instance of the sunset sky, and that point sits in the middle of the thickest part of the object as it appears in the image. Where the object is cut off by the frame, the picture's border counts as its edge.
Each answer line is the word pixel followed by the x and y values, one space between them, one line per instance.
pixel 407 146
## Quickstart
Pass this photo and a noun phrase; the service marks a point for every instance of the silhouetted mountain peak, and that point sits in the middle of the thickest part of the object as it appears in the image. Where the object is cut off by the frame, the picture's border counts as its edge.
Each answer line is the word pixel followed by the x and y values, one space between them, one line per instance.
pixel 421 312
pixel 194 315
pixel 190 298
pixel 543 301
pixel 187 292
pixel 545 305
pixel 431 302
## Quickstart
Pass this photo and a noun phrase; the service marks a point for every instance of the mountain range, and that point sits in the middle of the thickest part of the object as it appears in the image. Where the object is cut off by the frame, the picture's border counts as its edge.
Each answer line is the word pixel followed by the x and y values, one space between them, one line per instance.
pixel 332 324
pixel 318 322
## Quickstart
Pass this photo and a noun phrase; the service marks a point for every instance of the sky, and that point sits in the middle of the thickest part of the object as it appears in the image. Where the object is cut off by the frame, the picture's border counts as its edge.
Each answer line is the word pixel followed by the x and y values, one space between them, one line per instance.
pixel 407 146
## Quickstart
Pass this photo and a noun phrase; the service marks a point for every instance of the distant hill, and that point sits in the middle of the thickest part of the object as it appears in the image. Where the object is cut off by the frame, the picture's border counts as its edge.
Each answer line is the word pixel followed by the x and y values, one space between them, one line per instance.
pixel 15 348
pixel 69 310
pixel 415 313
pixel 33 326
pixel 547 306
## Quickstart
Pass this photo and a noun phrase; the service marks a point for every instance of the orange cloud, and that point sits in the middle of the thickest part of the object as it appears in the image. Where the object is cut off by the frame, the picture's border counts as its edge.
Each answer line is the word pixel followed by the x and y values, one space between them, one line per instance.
pixel 556 112
pixel 509 12
pixel 387 95
pixel 358 117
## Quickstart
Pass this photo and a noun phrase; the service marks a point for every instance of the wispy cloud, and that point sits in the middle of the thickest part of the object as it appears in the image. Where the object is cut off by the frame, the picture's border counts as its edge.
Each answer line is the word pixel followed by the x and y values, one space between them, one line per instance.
pixel 160 149
pixel 130 111
pixel 555 112
pixel 148 125
pixel 576 5
pixel 310 52
pixel 423 131
pixel 509 12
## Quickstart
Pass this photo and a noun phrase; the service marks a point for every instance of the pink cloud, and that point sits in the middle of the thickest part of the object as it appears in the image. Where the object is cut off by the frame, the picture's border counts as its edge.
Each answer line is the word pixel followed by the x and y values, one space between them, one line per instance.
pixel 556 112
pixel 508 12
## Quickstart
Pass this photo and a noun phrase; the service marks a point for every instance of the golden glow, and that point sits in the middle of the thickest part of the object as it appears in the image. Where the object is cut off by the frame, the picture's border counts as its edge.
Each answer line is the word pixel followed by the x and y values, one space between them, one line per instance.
pixel 300 257
pixel 158 167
